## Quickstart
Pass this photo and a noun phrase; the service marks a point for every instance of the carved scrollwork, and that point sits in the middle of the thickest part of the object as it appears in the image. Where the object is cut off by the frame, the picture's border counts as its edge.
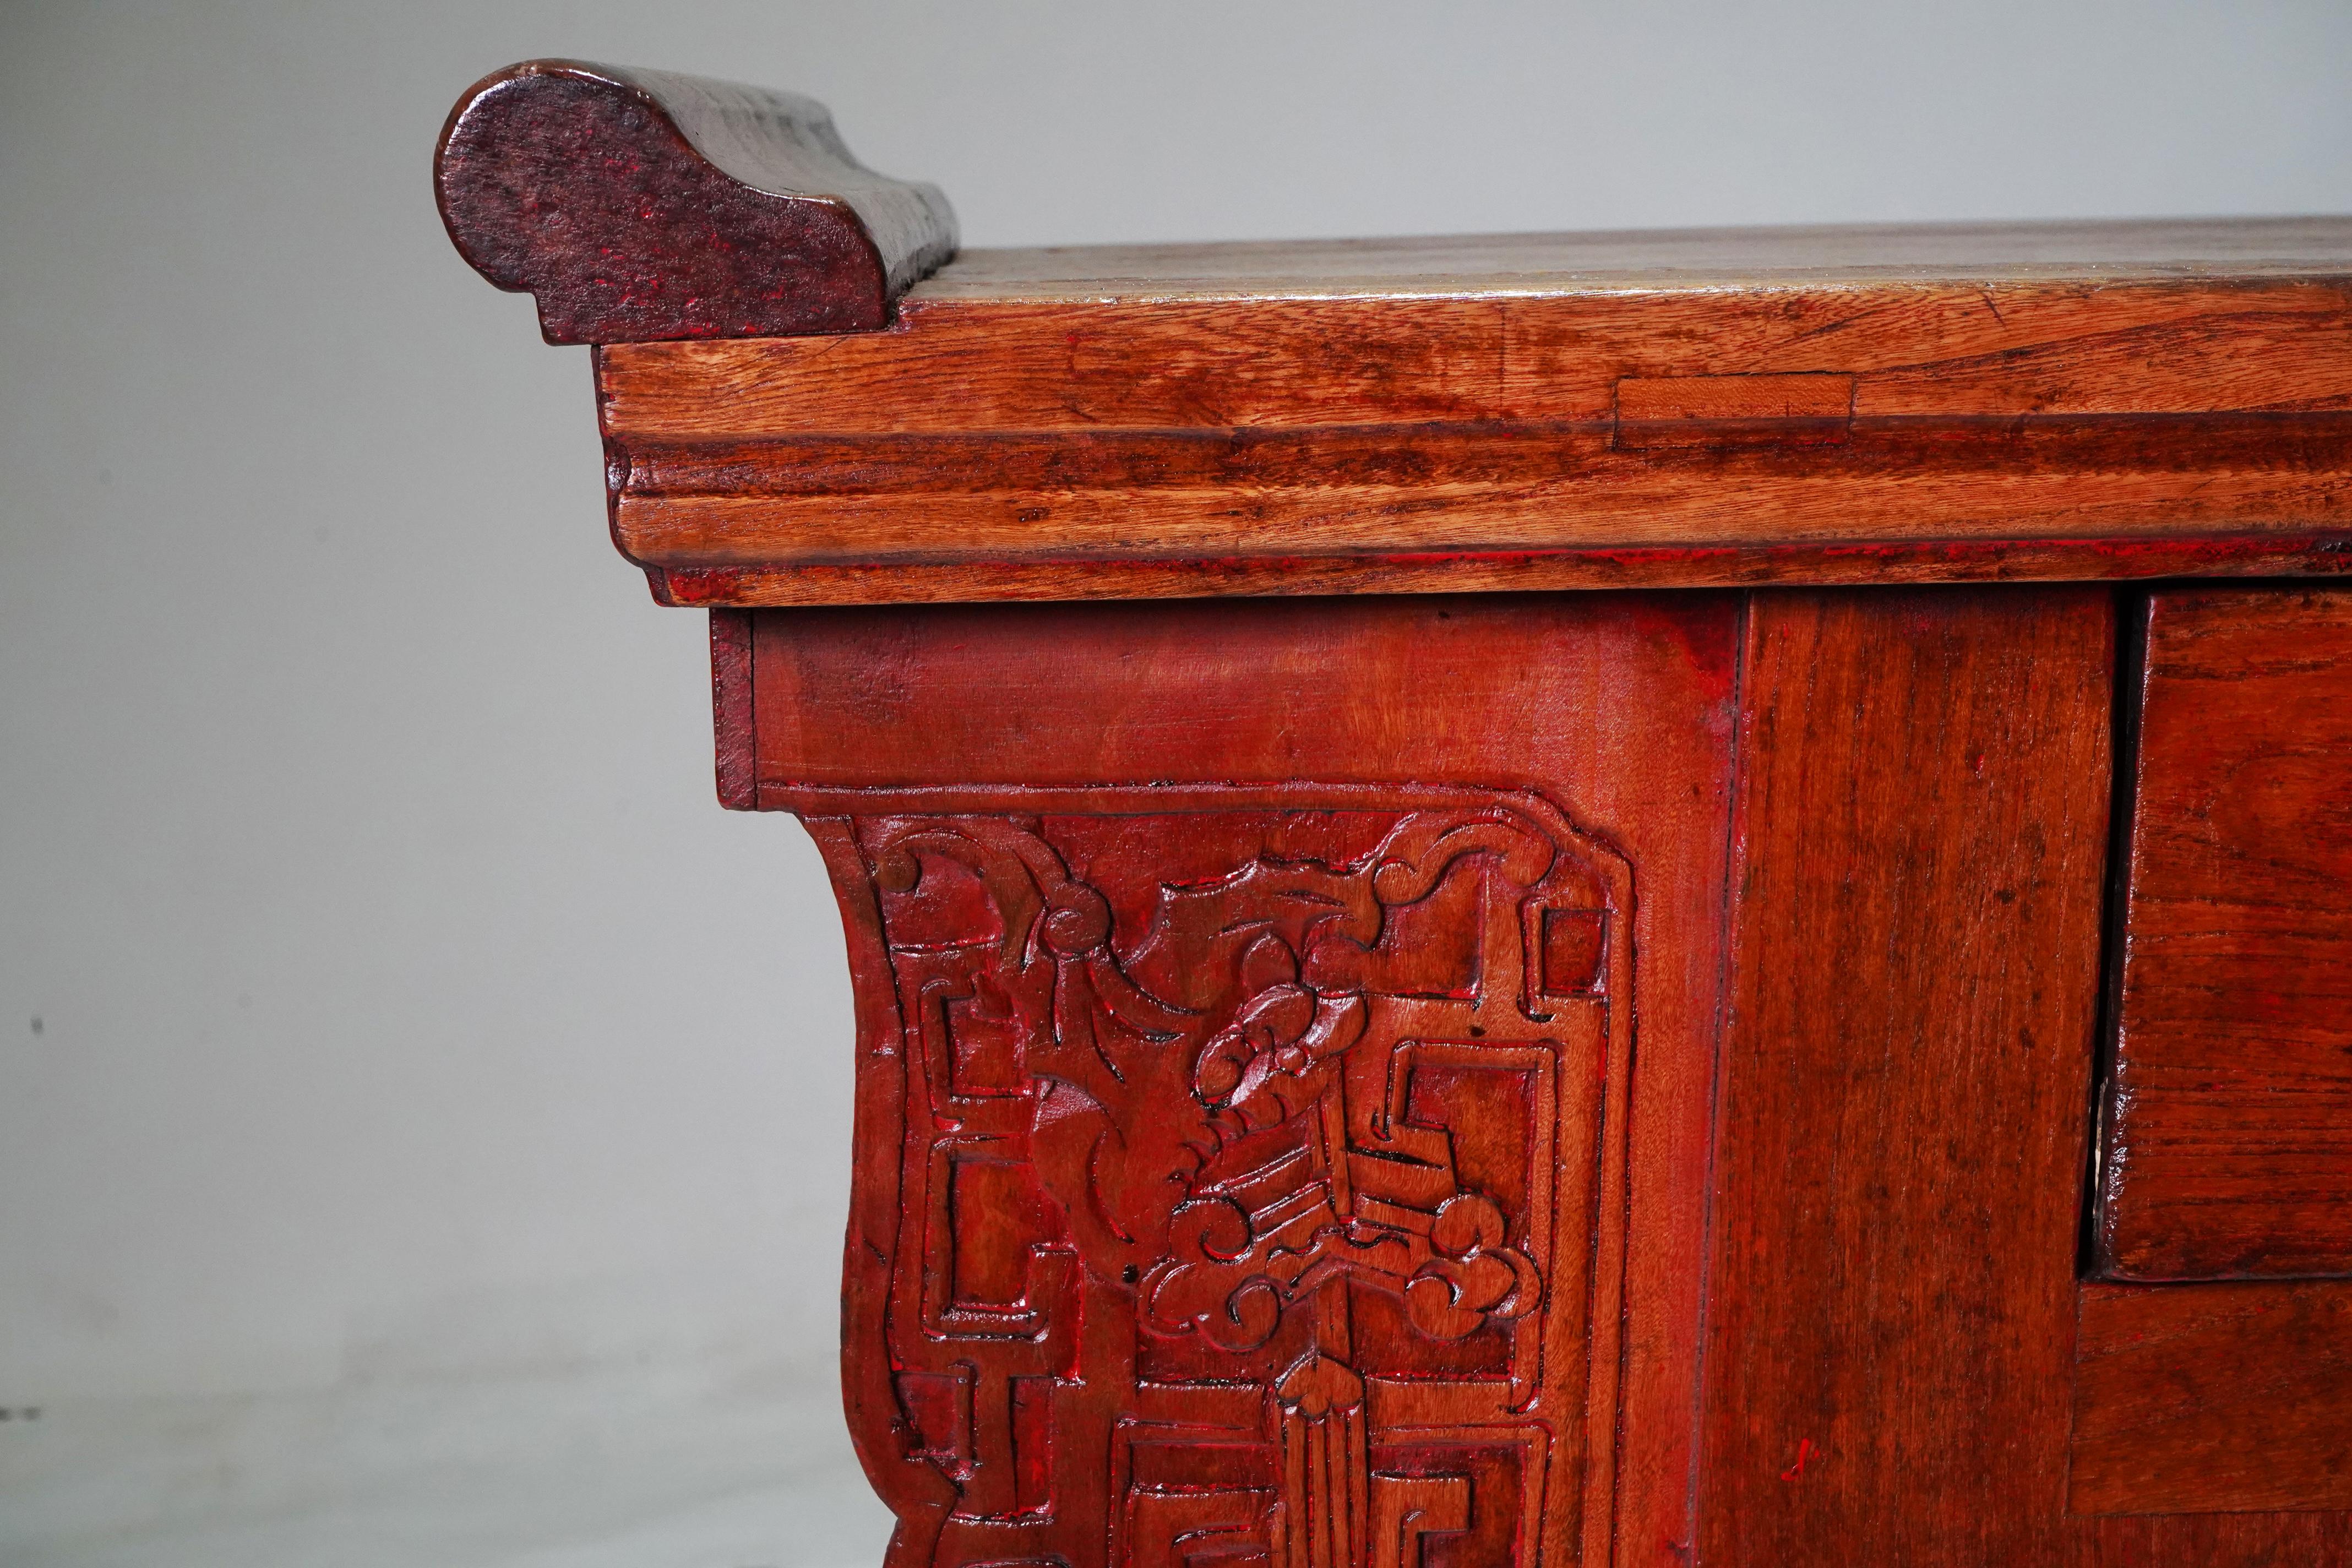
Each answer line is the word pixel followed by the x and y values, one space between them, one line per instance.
pixel 1226 1076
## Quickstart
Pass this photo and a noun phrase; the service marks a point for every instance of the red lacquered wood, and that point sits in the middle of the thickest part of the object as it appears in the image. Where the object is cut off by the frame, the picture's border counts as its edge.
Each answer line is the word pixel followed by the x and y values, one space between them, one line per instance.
pixel 1351 1077
pixel 731 706
pixel 1366 431
pixel 1506 412
pixel 2210 1398
pixel 1200 821
pixel 2001 561
pixel 1901 1117
pixel 1965 503
pixel 2165 337
pixel 2228 1120
pixel 640 206
pixel 2216 1541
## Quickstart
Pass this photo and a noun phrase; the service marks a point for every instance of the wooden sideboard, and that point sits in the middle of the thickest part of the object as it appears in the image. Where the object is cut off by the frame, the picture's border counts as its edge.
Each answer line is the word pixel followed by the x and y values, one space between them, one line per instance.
pixel 1647 898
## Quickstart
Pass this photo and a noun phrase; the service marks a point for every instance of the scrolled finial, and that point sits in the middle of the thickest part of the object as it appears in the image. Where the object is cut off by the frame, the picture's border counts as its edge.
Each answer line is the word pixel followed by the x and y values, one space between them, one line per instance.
pixel 638 206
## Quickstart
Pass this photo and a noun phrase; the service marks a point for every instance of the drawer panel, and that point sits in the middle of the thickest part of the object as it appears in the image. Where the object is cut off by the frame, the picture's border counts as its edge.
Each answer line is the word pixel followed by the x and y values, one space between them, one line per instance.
pixel 2227 1127
pixel 2218 1398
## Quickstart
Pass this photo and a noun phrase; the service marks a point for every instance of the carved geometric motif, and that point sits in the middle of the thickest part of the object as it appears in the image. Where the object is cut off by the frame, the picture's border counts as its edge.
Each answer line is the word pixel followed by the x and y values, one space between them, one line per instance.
pixel 1246 1201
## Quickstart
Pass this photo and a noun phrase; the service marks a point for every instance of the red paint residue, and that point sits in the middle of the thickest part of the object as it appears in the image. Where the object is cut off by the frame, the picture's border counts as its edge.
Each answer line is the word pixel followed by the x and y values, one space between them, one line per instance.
pixel 1807 1451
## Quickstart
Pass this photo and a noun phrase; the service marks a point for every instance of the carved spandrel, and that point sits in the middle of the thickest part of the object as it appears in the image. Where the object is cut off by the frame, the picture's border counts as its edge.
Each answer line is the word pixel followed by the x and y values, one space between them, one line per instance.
pixel 1249 1153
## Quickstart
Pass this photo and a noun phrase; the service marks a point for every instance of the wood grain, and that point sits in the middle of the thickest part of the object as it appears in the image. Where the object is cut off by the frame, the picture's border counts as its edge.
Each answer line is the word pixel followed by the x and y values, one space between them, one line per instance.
pixel 1991 561
pixel 1680 409
pixel 1621 709
pixel 1717 410
pixel 1900 1125
pixel 638 206
pixel 2213 1398
pixel 1547 492
pixel 1812 431
pixel 2228 1125
pixel 1351 1081
pixel 1991 349
pixel 732 708
pixel 1888 1356
pixel 2214 1541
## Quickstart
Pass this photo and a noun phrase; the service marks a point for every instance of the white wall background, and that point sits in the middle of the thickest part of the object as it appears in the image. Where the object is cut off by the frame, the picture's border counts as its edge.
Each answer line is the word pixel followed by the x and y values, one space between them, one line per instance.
pixel 390 1020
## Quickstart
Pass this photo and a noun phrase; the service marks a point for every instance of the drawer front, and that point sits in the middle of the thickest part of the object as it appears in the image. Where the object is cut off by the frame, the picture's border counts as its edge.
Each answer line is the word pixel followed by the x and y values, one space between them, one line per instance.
pixel 2228 1115
pixel 2214 1398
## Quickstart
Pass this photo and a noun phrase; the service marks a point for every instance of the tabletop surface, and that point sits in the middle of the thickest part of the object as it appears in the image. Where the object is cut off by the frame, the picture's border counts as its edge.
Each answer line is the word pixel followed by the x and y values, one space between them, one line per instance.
pixel 1634 261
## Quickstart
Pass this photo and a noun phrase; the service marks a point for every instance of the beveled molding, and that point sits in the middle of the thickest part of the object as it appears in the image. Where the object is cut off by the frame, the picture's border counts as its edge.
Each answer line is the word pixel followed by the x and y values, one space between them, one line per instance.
pixel 1516 434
